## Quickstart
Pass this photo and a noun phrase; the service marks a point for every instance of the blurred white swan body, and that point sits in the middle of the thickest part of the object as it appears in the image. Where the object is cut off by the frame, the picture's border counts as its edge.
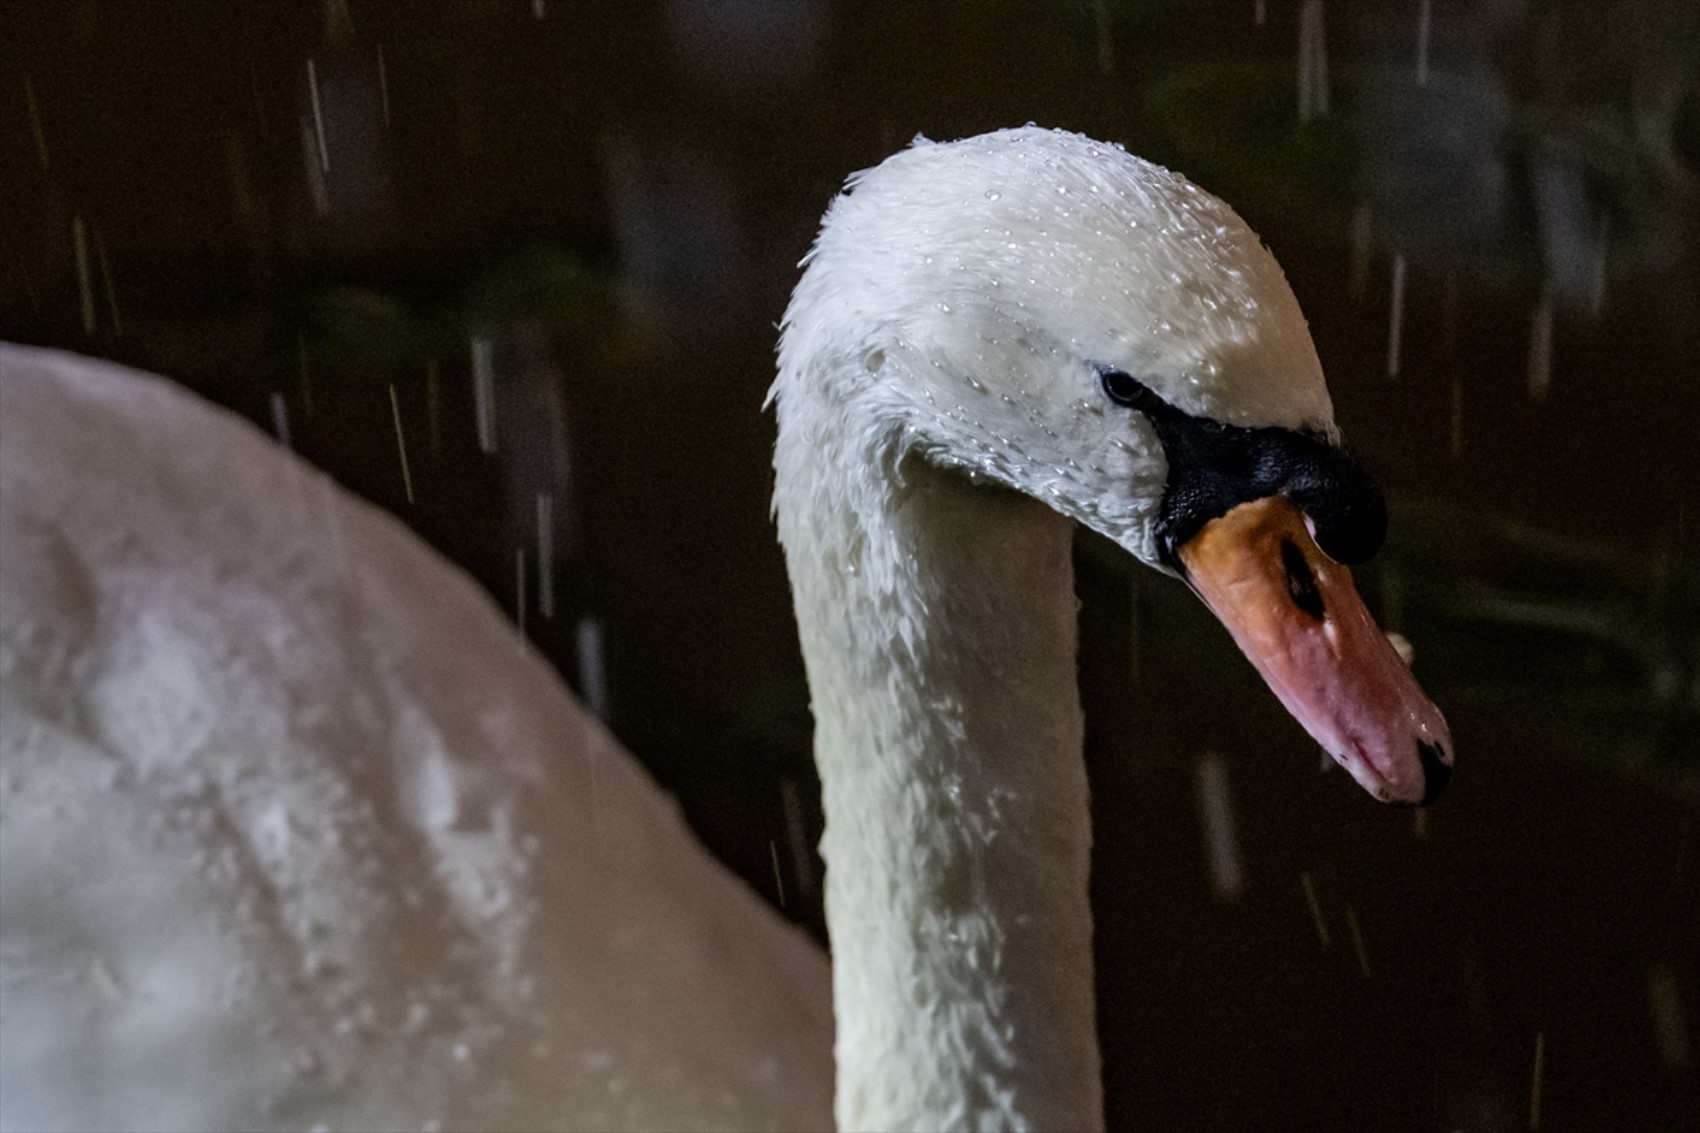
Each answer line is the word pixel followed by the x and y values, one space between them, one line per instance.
pixel 294 833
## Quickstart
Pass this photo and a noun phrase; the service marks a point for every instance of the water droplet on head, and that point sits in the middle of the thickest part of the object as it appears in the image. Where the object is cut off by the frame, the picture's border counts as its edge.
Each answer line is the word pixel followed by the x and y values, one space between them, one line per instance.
pixel 944 307
pixel 993 195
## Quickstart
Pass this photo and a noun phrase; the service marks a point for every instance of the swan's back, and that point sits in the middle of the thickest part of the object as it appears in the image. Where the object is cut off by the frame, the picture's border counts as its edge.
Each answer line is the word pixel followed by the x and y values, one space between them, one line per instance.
pixel 295 832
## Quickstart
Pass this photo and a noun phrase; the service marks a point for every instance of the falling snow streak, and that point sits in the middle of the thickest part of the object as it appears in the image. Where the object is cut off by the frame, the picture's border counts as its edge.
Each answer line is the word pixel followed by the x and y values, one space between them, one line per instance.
pixel 778 880
pixel 106 281
pixel 1315 908
pixel 539 9
pixel 592 678
pixel 1402 646
pixel 317 187
pixel 36 131
pixel 1313 62
pixel 484 392
pixel 85 285
pixel 1396 316
pixel 1357 941
pixel 1425 20
pixel 546 555
pixel 280 420
pixel 383 86
pixel 1419 822
pixel 1216 816
pixel 1668 1022
pixel 318 116
pixel 1535 1080
pixel 1260 13
pixel 400 443
pixel 1540 346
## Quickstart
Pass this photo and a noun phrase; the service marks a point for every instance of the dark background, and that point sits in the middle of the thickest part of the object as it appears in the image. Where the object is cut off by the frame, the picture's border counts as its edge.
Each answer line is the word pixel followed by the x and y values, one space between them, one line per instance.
pixel 614 197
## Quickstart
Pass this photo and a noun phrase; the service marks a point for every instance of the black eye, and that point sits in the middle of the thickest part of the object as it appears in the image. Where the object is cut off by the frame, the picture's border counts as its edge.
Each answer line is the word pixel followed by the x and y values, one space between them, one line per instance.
pixel 1301 583
pixel 1122 387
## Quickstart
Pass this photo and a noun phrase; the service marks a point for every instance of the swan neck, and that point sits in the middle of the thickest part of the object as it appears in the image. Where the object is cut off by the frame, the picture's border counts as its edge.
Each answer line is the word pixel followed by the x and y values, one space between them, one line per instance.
pixel 938 627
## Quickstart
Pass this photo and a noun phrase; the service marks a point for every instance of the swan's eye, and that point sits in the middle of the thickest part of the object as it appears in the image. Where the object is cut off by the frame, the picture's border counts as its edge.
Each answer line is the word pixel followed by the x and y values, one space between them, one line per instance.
pixel 1121 387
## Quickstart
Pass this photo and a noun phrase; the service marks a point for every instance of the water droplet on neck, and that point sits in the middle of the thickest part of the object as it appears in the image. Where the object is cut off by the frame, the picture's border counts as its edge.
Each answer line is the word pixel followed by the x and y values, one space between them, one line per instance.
pixel 993 195
pixel 944 307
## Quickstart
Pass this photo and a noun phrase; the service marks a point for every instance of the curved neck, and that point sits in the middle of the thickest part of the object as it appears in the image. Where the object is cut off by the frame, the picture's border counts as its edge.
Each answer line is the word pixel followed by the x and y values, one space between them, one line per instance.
pixel 938 628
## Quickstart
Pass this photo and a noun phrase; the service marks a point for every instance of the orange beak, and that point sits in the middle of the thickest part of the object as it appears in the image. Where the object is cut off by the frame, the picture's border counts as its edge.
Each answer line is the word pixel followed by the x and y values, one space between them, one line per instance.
pixel 1295 613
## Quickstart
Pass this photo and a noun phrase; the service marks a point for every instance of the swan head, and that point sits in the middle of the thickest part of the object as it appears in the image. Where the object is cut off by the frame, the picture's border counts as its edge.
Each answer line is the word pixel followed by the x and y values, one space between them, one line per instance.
pixel 1059 317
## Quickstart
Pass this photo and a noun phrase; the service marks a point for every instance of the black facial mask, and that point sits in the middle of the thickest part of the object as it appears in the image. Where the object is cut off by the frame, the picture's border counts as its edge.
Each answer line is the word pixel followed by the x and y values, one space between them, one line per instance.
pixel 1214 467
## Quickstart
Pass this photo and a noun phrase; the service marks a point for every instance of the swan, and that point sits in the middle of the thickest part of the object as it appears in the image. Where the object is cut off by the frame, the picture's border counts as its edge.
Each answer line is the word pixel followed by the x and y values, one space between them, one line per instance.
pixel 296 832
pixel 993 340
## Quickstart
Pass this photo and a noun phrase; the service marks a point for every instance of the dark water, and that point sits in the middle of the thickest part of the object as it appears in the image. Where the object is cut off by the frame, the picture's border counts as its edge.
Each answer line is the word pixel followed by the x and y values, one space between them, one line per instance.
pixel 615 196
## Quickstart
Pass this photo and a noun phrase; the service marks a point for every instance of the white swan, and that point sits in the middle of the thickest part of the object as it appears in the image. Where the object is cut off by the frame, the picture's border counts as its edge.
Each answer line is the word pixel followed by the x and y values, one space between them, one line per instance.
pixel 295 833
pixel 994 339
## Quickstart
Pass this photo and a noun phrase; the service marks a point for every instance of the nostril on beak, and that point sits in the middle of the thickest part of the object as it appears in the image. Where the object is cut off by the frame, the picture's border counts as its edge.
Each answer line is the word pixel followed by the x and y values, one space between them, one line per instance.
pixel 1435 773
